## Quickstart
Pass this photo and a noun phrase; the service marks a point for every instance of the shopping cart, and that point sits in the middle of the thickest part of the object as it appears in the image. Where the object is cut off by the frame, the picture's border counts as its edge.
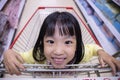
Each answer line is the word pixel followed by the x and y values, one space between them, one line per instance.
pixel 26 38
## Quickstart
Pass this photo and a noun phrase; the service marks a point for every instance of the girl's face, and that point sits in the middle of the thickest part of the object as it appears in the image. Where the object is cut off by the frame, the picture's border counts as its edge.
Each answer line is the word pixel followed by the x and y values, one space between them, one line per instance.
pixel 59 49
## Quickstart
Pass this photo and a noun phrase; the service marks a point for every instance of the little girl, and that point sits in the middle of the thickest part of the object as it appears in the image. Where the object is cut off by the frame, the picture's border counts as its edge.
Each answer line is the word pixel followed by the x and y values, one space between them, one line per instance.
pixel 59 43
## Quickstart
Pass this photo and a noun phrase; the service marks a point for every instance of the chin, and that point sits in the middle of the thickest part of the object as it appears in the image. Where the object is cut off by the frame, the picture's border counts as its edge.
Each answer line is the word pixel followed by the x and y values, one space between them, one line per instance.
pixel 59 66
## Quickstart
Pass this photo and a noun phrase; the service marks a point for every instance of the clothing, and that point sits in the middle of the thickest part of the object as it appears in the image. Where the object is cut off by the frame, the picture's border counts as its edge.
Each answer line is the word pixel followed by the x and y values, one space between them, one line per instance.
pixel 90 51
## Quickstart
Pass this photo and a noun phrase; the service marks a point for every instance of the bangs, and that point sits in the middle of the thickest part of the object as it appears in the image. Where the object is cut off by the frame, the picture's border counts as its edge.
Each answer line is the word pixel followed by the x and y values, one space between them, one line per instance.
pixel 65 27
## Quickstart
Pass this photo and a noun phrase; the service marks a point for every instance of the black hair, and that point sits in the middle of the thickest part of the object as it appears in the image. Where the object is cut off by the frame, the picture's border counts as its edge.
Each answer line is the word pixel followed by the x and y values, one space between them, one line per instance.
pixel 67 24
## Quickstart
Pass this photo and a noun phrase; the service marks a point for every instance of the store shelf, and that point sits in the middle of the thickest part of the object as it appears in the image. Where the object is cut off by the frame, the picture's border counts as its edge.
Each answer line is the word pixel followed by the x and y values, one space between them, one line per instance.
pixel 105 20
pixel 13 9
pixel 10 38
pixel 96 29
pixel 115 1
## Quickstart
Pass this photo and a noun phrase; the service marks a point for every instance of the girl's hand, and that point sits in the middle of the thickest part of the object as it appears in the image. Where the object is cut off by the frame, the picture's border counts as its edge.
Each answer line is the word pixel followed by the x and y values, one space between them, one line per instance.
pixel 111 61
pixel 13 62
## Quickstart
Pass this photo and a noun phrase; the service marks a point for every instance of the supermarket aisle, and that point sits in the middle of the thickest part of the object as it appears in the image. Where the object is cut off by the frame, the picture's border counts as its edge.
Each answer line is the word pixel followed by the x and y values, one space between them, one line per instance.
pixel 32 5
pixel 31 8
pixel 31 29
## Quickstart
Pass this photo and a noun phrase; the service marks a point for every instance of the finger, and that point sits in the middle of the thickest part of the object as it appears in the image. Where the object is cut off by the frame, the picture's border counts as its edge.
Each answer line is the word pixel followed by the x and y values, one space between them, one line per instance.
pixel 117 63
pixel 102 63
pixel 112 65
pixel 19 66
pixel 6 67
pixel 14 69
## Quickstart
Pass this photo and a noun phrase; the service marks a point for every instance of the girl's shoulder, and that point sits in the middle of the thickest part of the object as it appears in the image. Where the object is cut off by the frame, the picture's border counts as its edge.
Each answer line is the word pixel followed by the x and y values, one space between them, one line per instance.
pixel 28 57
pixel 93 46
pixel 90 51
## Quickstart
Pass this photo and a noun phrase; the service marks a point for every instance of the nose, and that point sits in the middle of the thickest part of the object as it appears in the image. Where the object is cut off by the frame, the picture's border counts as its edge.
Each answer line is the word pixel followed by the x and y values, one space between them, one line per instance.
pixel 59 49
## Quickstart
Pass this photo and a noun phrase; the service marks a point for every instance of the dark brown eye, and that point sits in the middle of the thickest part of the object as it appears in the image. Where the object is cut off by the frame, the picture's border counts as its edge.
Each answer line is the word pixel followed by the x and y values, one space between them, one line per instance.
pixel 50 41
pixel 68 42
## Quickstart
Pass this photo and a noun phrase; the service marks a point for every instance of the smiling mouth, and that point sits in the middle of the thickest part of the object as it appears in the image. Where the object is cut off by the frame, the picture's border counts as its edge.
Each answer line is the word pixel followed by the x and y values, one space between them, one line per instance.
pixel 58 61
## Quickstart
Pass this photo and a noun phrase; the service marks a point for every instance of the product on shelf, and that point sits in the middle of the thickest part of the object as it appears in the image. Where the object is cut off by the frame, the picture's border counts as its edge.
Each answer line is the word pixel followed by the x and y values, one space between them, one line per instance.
pixel 116 25
pixel 13 9
pixel 84 3
pixel 3 21
pixel 118 18
pixel 107 32
pixel 4 30
pixel 104 1
pixel 97 19
pixel 111 10
pixel 93 1
pixel 100 3
pixel 116 43
pixel 104 22
pixel 89 10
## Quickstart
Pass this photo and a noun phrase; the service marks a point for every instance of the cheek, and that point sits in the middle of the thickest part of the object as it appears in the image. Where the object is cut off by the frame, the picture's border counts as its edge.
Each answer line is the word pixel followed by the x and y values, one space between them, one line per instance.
pixel 47 51
pixel 71 53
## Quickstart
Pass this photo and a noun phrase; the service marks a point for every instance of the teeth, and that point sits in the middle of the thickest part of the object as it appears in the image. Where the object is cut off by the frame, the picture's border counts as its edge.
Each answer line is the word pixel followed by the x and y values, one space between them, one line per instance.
pixel 58 60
